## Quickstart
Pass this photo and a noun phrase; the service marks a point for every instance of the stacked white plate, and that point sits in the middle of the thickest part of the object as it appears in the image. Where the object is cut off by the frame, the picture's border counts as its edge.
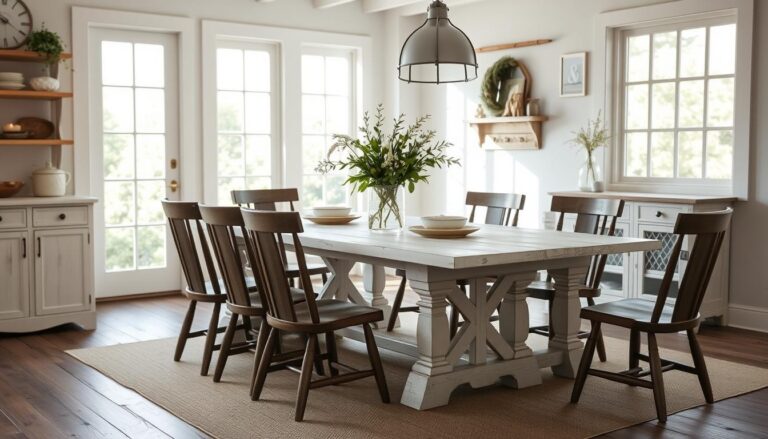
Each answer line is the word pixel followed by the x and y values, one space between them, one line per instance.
pixel 11 81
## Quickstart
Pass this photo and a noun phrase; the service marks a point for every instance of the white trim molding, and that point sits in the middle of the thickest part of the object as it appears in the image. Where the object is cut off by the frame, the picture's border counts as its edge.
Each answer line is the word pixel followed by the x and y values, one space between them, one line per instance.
pixel 604 87
pixel 754 318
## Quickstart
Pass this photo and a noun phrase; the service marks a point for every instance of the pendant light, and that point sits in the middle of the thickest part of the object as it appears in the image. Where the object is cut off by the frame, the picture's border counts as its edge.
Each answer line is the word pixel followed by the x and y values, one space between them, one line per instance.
pixel 437 51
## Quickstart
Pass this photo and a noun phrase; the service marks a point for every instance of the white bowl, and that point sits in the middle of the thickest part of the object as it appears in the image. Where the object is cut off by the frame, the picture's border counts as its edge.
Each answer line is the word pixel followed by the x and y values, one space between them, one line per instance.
pixel 44 83
pixel 327 211
pixel 443 222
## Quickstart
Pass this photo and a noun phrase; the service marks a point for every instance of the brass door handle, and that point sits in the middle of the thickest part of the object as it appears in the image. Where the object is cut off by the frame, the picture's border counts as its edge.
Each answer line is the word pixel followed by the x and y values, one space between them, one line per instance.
pixel 174 185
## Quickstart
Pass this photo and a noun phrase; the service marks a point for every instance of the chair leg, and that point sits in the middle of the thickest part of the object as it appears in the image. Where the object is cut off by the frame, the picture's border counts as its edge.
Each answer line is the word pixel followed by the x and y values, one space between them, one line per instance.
pixel 225 345
pixel 657 378
pixel 396 305
pixel 600 342
pixel 550 327
pixel 210 339
pixel 185 328
pixel 634 348
pixel 306 376
pixel 266 360
pixel 247 328
pixel 378 369
pixel 701 367
pixel 333 353
pixel 586 361
pixel 260 342
pixel 325 278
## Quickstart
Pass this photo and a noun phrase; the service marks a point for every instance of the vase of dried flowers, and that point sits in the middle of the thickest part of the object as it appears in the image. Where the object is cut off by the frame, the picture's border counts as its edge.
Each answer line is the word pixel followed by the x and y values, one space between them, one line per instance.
pixel 590 138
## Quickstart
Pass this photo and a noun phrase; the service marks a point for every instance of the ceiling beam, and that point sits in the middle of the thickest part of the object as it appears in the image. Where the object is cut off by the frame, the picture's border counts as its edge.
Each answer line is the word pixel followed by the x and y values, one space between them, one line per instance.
pixel 415 8
pixel 322 4
pixel 370 6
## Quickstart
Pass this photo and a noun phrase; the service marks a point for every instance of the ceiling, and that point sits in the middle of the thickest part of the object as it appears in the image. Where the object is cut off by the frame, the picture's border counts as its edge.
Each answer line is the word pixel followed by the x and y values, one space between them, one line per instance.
pixel 405 7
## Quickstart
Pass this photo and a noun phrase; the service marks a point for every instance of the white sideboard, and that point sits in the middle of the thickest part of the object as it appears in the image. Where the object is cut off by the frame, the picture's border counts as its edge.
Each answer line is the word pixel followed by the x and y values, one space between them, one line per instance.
pixel 46 263
pixel 653 216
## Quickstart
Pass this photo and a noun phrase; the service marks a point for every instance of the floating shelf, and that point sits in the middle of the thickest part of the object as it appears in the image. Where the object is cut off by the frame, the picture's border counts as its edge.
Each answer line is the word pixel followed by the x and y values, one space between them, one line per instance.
pixel 34 95
pixel 36 142
pixel 26 56
pixel 522 132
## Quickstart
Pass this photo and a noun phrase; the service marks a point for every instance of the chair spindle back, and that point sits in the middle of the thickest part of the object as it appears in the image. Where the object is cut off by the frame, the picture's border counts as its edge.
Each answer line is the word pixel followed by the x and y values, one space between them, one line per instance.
pixel 500 207
pixel 265 199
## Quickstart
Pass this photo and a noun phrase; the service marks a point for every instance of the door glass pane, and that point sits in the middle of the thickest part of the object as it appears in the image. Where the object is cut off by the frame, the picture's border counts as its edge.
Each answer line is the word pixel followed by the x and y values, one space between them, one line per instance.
pixel 231 111
pixel 638 58
pixel 257 113
pixel 313 150
pixel 665 55
pixel 689 145
pixel 312 74
pixel 313 114
pixel 337 76
pixel 692 52
pixel 134 155
pixel 722 41
pixel 258 155
pixel 257 64
pixel 229 69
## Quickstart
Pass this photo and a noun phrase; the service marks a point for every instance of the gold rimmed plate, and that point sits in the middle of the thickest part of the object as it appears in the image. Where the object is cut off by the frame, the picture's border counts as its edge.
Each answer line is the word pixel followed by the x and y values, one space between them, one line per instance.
pixel 444 233
pixel 331 220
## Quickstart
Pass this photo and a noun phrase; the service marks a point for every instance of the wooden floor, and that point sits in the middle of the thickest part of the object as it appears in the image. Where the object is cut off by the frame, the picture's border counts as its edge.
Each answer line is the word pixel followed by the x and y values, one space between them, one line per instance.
pixel 44 393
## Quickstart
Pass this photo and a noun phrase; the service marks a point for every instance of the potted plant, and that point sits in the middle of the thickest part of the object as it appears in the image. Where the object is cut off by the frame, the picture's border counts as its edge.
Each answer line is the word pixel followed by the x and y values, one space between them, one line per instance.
pixel 386 163
pixel 50 45
pixel 590 138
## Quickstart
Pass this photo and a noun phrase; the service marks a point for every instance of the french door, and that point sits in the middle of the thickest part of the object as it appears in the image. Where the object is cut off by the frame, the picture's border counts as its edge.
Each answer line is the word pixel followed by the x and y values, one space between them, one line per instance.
pixel 135 130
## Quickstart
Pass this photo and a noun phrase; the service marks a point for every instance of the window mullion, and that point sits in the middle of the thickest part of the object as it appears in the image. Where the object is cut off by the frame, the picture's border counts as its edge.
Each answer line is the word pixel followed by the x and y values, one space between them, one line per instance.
pixel 704 122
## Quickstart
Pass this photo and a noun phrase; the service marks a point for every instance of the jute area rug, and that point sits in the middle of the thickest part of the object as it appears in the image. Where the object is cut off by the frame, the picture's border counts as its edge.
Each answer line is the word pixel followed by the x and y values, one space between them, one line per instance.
pixel 354 410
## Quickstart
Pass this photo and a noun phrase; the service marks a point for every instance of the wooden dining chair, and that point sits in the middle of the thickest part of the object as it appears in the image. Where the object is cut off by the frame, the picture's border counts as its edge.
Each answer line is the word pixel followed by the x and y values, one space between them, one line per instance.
pixel 188 234
pixel 595 216
pixel 501 209
pixel 309 318
pixel 638 315
pixel 225 228
pixel 267 199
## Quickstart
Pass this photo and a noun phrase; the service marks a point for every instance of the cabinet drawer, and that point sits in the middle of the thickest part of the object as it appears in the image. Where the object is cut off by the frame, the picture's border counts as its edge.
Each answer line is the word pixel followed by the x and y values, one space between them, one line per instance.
pixel 60 216
pixel 13 218
pixel 658 213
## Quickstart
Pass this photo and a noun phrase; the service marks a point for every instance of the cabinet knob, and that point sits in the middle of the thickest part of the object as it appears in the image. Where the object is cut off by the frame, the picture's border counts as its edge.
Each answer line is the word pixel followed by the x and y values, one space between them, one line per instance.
pixel 62 216
pixel 659 214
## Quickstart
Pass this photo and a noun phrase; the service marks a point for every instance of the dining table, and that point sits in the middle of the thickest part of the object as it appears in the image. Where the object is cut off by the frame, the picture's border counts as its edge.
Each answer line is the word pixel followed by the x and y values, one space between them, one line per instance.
pixel 506 258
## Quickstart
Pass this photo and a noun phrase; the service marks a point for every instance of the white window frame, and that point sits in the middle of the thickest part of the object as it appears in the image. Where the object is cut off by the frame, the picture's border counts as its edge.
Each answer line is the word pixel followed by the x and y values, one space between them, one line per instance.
pixel 608 93
pixel 275 94
pixel 291 42
pixel 354 113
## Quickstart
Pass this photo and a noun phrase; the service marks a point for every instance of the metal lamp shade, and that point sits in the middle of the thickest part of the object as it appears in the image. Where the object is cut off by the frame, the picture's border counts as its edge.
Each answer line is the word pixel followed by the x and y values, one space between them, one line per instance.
pixel 437 51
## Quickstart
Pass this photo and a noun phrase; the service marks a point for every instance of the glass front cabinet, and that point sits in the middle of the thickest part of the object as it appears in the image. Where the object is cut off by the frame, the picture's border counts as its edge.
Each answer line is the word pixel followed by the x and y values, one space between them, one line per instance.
pixel 639 275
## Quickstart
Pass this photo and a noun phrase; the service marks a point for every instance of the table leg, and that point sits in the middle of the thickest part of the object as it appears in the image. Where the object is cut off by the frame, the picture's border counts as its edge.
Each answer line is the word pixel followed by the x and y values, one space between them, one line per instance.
pixel 566 320
pixel 424 389
pixel 513 326
pixel 374 281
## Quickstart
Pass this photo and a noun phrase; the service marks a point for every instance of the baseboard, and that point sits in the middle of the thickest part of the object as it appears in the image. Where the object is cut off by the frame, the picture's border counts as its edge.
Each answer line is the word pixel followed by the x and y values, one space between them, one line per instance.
pixel 754 318
pixel 137 296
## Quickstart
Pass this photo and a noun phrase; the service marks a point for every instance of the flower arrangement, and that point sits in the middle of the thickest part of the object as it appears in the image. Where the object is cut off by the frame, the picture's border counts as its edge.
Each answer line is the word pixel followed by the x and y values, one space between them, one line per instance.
pixel 386 162
pixel 591 137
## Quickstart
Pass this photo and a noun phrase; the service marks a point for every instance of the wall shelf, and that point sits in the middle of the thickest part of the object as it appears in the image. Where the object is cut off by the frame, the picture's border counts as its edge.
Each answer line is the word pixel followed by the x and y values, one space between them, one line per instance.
pixel 522 132
pixel 36 142
pixel 34 95
pixel 26 56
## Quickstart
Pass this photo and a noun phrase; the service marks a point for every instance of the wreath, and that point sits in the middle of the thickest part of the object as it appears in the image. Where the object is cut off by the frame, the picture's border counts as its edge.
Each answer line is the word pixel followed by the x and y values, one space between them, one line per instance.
pixel 503 69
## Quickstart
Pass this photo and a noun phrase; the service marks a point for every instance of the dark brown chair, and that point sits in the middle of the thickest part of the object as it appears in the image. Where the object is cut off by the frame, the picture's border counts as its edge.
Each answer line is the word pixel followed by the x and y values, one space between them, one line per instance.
pixel 639 315
pixel 187 230
pixel 595 216
pixel 310 318
pixel 267 199
pixel 225 228
pixel 501 209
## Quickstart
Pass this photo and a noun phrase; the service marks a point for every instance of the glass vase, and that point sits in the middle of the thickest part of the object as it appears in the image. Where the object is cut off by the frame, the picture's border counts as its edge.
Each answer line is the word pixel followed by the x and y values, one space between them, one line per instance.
pixel 590 176
pixel 385 208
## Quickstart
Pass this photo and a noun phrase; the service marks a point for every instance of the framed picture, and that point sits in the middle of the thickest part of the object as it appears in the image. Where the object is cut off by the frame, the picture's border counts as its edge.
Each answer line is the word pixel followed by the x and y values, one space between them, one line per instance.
pixel 573 74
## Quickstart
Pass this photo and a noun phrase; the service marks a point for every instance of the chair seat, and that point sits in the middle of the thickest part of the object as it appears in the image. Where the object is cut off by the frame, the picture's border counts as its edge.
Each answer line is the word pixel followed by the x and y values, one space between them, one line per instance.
pixel 334 314
pixel 546 290
pixel 635 314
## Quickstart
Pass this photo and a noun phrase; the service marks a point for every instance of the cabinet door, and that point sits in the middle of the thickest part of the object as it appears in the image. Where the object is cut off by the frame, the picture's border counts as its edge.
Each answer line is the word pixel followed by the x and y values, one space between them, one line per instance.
pixel 14 275
pixel 653 264
pixel 616 279
pixel 62 281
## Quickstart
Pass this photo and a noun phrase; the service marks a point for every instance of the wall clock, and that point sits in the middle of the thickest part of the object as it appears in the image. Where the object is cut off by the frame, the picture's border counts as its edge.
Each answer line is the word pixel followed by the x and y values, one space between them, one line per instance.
pixel 15 24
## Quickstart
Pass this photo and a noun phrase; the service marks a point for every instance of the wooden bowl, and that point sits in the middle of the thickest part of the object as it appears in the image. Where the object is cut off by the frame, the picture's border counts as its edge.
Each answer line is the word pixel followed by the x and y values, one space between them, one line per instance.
pixel 10 188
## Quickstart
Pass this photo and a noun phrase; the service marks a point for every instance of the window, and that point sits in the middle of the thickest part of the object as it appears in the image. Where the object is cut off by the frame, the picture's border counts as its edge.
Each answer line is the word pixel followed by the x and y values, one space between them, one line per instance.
pixel 676 102
pixel 246 141
pixel 327 108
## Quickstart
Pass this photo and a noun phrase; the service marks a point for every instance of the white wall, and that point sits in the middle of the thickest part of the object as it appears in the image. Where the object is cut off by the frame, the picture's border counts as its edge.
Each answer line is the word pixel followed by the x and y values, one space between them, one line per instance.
pixel 555 167
pixel 18 163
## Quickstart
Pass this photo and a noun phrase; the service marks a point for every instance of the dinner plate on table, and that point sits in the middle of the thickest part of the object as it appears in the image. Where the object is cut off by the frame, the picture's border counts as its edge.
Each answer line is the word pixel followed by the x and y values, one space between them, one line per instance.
pixel 331 220
pixel 444 233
